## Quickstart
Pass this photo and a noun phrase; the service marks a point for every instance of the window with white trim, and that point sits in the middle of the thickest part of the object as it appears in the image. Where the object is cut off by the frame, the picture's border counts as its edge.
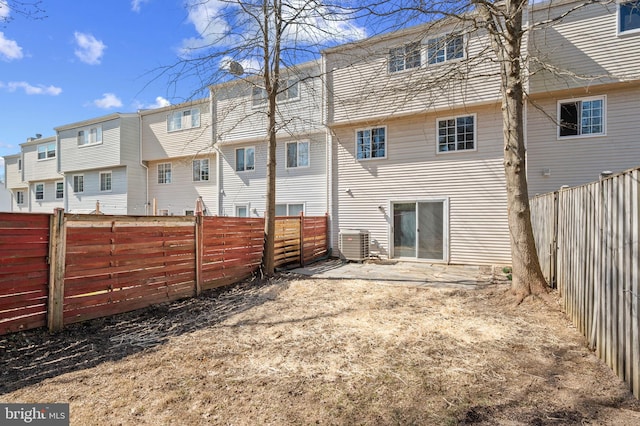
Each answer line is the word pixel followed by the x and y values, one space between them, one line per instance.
pixel 456 133
pixel 297 154
pixel 371 143
pixel 629 17
pixel 186 119
pixel 164 173
pixel 19 198
pixel 242 210
pixel 445 48
pixel 105 181
pixel 59 190
pixel 47 150
pixel 289 209
pixel 90 136
pixel 288 89
pixel 39 190
pixel 78 184
pixel 200 170
pixel 581 117
pixel 245 159
pixel 405 57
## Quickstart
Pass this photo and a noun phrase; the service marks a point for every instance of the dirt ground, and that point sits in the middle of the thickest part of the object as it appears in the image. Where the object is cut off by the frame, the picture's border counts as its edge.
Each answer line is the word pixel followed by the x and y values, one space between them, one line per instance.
pixel 299 350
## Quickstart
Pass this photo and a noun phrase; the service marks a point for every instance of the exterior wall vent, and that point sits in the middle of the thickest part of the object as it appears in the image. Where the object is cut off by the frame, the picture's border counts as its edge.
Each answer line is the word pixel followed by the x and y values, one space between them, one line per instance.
pixel 354 244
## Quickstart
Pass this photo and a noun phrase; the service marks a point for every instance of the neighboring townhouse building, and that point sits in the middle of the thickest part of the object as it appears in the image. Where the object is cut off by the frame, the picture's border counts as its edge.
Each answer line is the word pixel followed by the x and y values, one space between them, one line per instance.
pixel 5 198
pixel 40 171
pixel 178 153
pixel 417 148
pixel 101 163
pixel 14 182
pixel 583 120
pixel 301 154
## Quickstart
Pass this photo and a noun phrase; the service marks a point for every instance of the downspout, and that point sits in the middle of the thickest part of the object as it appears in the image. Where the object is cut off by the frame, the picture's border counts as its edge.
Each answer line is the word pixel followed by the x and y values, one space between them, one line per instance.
pixel 214 143
pixel 329 149
pixel 146 179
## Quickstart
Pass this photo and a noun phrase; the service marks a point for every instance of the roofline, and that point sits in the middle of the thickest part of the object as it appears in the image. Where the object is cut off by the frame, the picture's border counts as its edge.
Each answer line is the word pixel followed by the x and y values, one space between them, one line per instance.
pixel 36 141
pixel 172 107
pixel 95 120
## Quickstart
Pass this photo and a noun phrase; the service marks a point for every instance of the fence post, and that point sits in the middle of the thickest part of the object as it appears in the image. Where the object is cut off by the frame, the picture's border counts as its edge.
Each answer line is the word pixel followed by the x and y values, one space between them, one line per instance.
pixel 301 239
pixel 199 251
pixel 57 252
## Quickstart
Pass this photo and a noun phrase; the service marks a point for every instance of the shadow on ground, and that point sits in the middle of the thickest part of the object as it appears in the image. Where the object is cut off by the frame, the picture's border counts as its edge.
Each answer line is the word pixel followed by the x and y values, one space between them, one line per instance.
pixel 27 358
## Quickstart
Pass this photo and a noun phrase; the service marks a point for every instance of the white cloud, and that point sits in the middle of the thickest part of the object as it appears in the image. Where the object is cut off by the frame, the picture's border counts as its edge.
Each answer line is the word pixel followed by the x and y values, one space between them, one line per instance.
pixel 30 89
pixel 136 4
pixel 208 21
pixel 89 50
pixel 9 49
pixel 159 103
pixel 5 10
pixel 108 100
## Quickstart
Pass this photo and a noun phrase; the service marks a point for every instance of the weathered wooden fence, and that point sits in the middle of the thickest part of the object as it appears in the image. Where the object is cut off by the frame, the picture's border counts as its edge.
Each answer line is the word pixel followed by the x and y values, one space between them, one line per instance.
pixel 588 244
pixel 60 269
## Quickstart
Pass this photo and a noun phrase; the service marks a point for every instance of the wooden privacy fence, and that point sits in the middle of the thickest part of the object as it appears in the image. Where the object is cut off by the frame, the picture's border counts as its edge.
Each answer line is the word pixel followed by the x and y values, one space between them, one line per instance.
pixel 59 269
pixel 587 240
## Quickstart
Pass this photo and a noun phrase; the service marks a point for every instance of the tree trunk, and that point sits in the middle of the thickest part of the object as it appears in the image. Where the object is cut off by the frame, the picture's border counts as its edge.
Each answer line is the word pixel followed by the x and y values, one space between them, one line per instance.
pixel 527 277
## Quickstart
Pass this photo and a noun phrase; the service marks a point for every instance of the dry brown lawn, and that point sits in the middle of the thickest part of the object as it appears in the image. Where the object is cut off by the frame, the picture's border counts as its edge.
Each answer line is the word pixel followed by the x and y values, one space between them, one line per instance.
pixel 298 350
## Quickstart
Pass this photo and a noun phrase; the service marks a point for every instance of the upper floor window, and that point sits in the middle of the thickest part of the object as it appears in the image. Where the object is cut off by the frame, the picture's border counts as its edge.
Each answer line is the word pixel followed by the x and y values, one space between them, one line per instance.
pixel 245 159
pixel 445 48
pixel 456 134
pixel 582 117
pixel 186 119
pixel 39 191
pixel 242 210
pixel 629 17
pixel 297 154
pixel 90 136
pixel 405 57
pixel 47 150
pixel 105 181
pixel 19 164
pixel 201 170
pixel 288 89
pixel 78 183
pixel 371 143
pixel 19 197
pixel 59 190
pixel 164 173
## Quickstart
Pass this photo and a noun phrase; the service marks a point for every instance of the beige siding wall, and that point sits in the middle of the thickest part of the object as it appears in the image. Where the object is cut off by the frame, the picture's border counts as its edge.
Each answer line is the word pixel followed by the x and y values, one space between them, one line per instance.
pixel 181 194
pixel 35 169
pixel 307 185
pixel 363 89
pixel 111 202
pixel 137 190
pixel 158 143
pixel 584 46
pixel 237 118
pixel 105 154
pixel 473 183
pixel 13 176
pixel 580 160
pixel 130 140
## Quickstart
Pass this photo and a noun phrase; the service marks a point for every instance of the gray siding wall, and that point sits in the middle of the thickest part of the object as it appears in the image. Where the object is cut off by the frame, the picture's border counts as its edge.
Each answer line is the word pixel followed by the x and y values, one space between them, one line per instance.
pixel 13 176
pixel 106 154
pixel 580 160
pixel 363 89
pixel 158 143
pixel 473 183
pixel 307 185
pixel 584 45
pixel 111 202
pixel 130 140
pixel 181 194
pixel 49 202
pixel 137 190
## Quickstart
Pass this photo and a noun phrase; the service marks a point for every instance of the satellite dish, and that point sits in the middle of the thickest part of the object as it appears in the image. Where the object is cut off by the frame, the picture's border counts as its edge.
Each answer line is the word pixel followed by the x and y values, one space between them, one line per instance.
pixel 235 68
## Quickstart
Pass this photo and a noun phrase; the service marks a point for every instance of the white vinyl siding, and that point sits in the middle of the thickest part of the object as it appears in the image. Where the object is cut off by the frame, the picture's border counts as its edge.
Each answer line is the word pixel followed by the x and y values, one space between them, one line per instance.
pixel 552 163
pixel 183 192
pixel 114 201
pixel 472 182
pixel 36 156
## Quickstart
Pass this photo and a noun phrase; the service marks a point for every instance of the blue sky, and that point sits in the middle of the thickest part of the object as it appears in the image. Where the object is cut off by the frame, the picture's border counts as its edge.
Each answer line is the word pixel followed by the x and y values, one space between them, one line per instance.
pixel 86 59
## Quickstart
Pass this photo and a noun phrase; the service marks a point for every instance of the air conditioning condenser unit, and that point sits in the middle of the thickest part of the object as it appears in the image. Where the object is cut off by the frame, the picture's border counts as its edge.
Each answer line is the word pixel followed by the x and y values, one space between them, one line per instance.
pixel 354 244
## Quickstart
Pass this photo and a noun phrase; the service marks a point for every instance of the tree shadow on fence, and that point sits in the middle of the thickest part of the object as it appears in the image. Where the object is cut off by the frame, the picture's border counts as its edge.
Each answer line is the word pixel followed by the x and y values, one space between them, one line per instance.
pixel 29 357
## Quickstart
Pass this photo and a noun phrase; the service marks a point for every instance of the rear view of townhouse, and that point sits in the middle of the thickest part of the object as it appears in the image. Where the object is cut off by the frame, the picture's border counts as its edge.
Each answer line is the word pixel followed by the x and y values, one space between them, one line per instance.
pixel 416 127
pixel 399 136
